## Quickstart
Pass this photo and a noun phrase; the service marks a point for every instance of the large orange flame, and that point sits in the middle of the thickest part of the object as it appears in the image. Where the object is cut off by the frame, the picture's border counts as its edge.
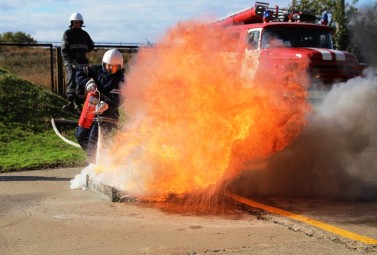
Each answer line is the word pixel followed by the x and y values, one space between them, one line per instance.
pixel 193 120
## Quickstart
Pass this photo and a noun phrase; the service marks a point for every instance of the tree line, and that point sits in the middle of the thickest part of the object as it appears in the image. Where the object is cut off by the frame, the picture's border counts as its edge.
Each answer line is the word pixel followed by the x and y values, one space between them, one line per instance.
pixel 17 37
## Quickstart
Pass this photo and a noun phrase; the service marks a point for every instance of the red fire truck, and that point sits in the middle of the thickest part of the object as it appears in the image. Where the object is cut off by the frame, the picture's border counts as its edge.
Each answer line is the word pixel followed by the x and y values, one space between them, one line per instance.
pixel 280 37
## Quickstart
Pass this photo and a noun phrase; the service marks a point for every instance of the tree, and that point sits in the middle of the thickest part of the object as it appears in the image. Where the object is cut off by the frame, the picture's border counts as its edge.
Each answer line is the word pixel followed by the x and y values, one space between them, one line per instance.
pixel 341 32
pixel 17 37
pixel 338 10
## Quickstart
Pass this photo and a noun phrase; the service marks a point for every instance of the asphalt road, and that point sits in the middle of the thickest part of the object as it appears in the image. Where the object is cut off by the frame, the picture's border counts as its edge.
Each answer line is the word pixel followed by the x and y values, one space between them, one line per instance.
pixel 40 214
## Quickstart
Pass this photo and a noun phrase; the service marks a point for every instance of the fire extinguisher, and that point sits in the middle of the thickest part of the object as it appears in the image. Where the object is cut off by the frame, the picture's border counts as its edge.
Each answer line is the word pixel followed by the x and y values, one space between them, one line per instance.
pixel 87 113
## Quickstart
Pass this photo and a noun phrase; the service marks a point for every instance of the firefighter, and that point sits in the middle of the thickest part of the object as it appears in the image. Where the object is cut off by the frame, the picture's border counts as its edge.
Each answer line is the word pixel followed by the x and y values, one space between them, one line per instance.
pixel 324 18
pixel 106 80
pixel 75 44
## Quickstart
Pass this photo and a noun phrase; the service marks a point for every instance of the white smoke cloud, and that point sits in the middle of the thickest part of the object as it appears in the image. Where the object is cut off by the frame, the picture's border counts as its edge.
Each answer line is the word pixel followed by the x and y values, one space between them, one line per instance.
pixel 80 180
pixel 334 157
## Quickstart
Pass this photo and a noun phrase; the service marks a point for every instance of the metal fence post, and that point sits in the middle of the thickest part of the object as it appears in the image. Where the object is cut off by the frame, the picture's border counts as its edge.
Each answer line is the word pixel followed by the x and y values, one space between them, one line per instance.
pixel 52 67
pixel 60 89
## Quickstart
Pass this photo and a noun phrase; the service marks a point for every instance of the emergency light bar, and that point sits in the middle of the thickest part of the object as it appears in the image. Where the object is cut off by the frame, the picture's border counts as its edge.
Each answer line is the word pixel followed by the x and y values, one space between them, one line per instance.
pixel 262 13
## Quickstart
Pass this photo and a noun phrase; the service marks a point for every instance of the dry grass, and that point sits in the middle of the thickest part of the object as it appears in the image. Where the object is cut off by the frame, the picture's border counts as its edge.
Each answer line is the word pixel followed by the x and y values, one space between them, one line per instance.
pixel 34 64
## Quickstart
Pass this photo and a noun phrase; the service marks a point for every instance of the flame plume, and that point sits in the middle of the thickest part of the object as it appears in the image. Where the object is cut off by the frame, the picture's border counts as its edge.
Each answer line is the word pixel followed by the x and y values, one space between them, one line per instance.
pixel 192 120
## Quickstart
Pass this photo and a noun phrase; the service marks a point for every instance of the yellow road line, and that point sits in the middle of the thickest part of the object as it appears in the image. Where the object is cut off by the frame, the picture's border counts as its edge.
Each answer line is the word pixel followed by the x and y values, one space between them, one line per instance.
pixel 316 223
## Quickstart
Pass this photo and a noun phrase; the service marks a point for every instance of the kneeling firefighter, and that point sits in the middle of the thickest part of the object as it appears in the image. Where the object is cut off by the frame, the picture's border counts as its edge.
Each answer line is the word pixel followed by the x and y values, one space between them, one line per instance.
pixel 102 84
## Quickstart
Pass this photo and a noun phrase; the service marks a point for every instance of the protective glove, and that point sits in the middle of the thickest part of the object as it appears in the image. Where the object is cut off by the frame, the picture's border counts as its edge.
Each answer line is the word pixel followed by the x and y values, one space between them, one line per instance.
pixel 91 85
pixel 85 69
pixel 101 107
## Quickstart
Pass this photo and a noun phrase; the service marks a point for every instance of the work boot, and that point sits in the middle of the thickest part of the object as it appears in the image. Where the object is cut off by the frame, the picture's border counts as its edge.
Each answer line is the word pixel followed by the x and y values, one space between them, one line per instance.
pixel 78 108
pixel 69 106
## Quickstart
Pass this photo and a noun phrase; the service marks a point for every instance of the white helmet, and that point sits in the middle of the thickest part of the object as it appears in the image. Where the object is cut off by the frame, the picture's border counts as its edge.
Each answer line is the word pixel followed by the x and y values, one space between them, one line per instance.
pixel 113 57
pixel 76 16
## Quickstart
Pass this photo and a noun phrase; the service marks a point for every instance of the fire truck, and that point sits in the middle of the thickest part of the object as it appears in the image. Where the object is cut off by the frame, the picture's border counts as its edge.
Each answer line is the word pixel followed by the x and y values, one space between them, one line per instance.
pixel 280 39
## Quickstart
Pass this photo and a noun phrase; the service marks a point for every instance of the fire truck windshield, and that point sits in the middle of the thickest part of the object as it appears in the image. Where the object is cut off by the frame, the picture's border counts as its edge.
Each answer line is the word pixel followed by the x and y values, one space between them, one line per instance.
pixel 296 37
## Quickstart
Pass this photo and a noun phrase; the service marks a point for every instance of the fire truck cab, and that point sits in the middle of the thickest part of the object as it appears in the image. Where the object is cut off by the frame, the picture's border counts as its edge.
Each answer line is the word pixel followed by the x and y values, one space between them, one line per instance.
pixel 277 38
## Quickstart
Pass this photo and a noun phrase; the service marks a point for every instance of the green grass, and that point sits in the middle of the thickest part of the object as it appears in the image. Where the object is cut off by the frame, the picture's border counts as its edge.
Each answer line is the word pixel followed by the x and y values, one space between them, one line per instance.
pixel 27 140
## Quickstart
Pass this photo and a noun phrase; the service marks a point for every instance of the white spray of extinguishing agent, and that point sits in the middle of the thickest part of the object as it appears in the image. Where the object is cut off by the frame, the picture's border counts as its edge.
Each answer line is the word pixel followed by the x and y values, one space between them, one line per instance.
pixel 99 141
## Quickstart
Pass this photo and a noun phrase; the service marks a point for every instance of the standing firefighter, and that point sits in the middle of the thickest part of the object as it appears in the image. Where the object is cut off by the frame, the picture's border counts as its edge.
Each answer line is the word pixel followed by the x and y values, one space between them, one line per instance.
pixel 75 44
pixel 102 84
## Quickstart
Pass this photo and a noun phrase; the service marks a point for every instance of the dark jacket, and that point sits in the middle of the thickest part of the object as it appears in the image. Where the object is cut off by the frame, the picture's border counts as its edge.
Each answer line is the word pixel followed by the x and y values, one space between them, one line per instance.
pixel 108 85
pixel 75 44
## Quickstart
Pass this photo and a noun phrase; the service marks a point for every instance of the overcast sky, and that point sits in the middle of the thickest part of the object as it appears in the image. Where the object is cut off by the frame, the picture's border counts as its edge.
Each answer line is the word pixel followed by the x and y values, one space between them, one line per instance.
pixel 117 21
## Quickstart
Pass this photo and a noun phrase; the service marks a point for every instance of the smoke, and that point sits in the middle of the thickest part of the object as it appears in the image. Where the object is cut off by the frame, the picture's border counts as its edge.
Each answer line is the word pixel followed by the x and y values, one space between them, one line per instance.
pixel 335 155
pixel 80 182
pixel 363 30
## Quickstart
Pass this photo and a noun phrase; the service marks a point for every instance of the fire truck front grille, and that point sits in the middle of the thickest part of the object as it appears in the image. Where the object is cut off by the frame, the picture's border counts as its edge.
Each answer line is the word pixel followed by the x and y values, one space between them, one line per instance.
pixel 333 72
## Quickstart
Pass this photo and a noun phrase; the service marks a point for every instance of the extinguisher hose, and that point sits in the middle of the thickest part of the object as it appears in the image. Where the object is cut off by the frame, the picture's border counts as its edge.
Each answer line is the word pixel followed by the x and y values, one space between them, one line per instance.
pixel 61 136
pixel 99 139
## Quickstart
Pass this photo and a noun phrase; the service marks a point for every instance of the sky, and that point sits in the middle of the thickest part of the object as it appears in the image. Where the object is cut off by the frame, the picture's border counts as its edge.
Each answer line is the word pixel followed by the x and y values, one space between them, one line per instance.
pixel 117 21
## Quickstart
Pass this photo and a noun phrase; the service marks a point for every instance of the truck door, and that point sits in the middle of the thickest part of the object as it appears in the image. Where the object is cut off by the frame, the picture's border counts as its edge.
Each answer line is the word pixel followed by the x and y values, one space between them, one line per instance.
pixel 250 60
